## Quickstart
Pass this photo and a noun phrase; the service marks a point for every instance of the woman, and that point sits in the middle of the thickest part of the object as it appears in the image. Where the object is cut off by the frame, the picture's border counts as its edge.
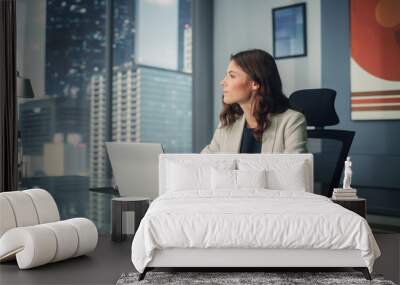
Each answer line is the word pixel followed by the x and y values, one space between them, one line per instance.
pixel 256 115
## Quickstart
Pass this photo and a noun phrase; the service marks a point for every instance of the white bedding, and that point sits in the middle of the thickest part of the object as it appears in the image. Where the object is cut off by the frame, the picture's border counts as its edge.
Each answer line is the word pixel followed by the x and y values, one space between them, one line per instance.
pixel 250 218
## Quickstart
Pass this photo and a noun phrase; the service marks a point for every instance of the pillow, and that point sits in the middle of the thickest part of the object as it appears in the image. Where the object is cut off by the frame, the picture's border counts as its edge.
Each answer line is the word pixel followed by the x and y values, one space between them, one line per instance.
pixel 281 174
pixel 223 179
pixel 292 179
pixel 193 174
pixel 182 177
pixel 237 179
pixel 251 178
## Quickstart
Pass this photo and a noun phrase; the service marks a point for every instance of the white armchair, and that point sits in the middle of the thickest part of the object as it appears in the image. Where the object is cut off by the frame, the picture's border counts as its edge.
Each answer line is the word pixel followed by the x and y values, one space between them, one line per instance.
pixel 31 230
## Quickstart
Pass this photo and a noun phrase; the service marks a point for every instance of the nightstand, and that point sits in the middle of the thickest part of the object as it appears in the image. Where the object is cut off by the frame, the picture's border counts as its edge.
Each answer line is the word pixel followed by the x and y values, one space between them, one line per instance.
pixel 358 205
pixel 119 205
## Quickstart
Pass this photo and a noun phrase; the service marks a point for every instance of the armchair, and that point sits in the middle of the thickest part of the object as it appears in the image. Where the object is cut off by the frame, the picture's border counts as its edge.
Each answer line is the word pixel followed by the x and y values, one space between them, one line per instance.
pixel 31 231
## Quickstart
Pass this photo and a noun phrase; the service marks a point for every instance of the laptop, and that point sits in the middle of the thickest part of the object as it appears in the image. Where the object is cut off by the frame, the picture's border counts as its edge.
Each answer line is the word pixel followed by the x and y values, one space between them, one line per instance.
pixel 135 167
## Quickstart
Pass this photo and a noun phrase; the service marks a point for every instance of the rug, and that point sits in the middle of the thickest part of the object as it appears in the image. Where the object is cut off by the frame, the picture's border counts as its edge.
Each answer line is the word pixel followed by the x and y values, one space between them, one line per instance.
pixel 229 278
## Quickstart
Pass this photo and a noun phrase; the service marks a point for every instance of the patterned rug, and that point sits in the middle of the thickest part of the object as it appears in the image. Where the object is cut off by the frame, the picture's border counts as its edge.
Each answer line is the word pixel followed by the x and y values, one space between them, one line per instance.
pixel 225 278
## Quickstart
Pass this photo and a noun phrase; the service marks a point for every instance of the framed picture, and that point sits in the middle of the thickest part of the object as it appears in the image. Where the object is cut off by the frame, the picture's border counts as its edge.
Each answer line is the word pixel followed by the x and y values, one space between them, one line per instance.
pixel 289 31
pixel 374 63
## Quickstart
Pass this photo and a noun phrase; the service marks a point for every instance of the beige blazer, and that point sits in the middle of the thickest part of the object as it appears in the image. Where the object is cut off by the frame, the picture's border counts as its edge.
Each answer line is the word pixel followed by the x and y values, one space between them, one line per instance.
pixel 286 133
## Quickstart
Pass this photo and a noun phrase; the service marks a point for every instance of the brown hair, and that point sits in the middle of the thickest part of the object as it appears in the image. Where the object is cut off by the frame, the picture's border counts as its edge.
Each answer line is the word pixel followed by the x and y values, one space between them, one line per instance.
pixel 260 66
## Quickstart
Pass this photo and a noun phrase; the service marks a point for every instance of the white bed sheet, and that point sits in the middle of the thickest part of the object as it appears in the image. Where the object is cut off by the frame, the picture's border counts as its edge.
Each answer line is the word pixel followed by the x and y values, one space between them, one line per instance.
pixel 250 218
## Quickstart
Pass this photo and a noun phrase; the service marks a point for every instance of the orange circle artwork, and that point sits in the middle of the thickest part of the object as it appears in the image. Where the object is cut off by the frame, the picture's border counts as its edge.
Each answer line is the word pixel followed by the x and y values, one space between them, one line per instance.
pixel 375 37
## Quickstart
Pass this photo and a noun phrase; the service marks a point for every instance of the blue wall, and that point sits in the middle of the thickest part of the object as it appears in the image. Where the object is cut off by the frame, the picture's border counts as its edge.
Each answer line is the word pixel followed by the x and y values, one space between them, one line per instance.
pixel 376 147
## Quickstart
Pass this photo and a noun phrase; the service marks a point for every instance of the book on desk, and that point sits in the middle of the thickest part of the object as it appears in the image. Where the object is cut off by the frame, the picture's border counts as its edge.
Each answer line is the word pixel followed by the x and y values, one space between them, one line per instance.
pixel 344 194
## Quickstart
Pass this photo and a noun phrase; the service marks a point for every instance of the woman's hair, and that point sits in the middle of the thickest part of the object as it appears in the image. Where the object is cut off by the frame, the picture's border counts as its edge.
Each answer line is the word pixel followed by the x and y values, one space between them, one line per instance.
pixel 260 66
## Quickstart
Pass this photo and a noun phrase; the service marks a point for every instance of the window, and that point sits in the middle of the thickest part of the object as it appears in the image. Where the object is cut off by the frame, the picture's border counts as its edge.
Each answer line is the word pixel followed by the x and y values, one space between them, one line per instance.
pixel 64 128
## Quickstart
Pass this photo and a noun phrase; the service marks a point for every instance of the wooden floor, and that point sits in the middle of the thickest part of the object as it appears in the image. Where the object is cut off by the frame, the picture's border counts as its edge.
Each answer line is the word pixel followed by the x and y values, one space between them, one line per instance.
pixel 110 260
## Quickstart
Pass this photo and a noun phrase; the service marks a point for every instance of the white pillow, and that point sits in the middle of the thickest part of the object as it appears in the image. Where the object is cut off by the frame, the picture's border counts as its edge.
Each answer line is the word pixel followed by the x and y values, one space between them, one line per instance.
pixel 280 174
pixel 251 178
pixel 292 179
pixel 223 179
pixel 188 175
pixel 237 179
pixel 182 177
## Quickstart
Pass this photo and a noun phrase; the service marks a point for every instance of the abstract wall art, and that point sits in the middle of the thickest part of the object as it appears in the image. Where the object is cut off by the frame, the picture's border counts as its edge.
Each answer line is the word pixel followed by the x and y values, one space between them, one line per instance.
pixel 375 59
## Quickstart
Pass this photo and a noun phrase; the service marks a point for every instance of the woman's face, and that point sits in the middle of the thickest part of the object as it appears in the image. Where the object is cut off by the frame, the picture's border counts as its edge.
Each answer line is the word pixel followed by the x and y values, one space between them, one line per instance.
pixel 236 85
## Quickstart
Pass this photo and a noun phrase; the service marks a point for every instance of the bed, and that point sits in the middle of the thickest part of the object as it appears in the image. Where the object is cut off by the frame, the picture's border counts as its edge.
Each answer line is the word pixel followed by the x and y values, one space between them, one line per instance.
pixel 247 210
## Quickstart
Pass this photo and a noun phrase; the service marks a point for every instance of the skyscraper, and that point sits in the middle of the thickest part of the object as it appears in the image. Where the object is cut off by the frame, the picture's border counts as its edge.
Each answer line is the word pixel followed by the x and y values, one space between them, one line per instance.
pixel 124 103
pixel 75 49
pixel 124 31
pixel 75 30
pixel 43 118
pixel 148 105
pixel 98 130
pixel 164 108
pixel 187 49
pixel 184 22
pixel 65 158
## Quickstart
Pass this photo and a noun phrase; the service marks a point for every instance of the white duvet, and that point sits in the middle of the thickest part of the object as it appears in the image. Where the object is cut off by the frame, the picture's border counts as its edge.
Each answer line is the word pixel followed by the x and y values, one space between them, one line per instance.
pixel 251 218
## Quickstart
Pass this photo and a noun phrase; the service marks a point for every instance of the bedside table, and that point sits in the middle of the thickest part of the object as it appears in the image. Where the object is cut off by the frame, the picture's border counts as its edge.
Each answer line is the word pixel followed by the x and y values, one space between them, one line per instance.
pixel 358 206
pixel 119 205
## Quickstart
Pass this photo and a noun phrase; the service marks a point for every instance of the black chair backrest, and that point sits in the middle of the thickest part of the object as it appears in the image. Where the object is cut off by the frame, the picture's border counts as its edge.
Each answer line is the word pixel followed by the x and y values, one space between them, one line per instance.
pixel 318 106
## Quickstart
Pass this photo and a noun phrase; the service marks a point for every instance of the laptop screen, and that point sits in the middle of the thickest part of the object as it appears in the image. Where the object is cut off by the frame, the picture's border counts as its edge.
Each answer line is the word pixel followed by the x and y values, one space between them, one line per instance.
pixel 135 167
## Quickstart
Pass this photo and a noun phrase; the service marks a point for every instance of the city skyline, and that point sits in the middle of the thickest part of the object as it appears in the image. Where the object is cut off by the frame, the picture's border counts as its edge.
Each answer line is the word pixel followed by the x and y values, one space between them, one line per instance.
pixel 70 121
pixel 68 22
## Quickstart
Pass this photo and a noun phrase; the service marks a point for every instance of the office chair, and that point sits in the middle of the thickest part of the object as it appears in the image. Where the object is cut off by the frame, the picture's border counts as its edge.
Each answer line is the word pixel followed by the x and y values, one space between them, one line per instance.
pixel 329 146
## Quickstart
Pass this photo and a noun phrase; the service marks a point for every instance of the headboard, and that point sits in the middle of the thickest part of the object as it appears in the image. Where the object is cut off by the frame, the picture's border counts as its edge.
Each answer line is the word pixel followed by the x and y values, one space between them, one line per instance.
pixel 275 160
